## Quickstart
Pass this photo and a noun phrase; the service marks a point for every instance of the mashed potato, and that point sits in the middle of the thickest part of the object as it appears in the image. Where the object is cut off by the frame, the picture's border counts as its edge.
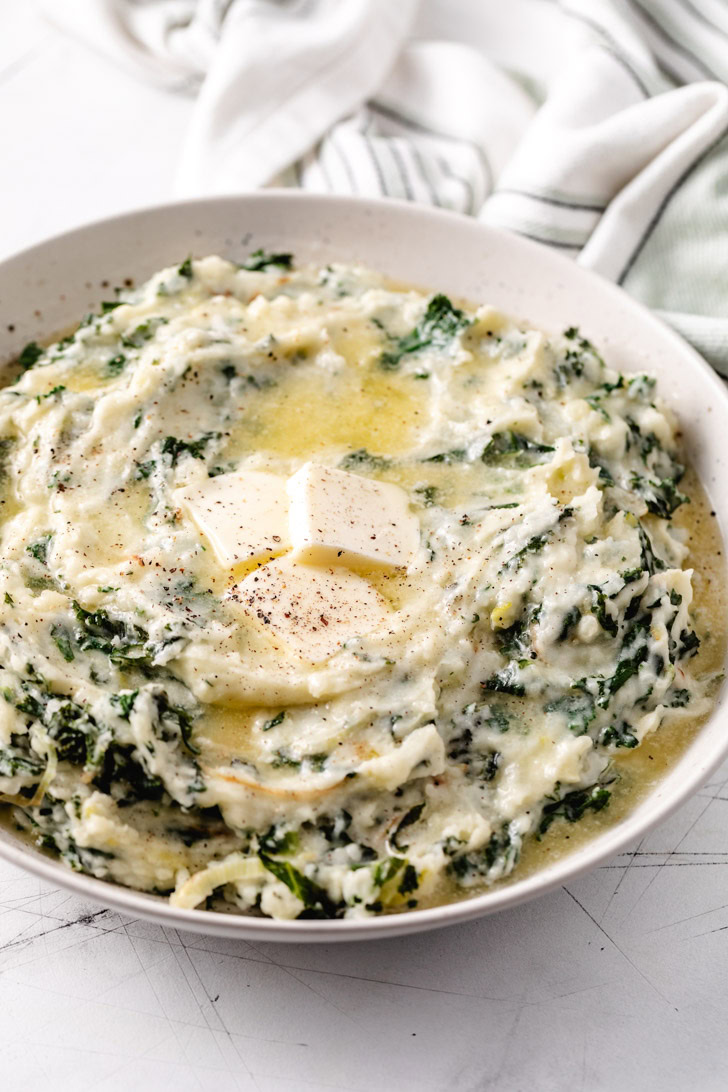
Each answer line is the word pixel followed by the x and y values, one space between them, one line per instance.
pixel 318 596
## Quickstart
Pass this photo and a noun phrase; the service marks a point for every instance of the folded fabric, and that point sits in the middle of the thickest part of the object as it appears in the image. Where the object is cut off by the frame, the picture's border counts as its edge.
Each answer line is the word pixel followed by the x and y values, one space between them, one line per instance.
pixel 598 127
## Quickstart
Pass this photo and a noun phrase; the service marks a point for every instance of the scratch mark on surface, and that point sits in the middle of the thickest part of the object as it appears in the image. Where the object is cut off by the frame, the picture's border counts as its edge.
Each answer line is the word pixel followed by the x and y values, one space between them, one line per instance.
pixel 614 944
pixel 674 851
pixel 628 866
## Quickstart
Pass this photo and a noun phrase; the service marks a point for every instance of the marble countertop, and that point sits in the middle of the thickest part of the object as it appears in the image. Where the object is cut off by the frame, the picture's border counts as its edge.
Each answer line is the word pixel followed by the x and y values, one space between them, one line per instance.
pixel 616 983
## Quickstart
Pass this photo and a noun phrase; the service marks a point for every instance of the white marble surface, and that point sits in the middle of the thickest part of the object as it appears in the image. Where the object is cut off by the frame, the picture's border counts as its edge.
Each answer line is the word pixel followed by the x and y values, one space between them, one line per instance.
pixel 617 983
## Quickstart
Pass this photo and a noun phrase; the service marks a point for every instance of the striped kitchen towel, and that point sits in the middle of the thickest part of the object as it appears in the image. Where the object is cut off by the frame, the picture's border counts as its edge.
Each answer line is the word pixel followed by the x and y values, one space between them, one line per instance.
pixel 598 127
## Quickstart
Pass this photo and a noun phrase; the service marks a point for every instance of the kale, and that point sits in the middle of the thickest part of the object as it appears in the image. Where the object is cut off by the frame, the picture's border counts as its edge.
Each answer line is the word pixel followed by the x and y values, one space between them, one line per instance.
pixel 688 644
pixel 661 497
pixel 515 640
pixel 428 495
pixel 30 355
pixel 495 717
pixel 594 399
pixel 533 546
pixel 649 559
pixel 440 323
pixel 364 459
pixel 281 759
pixel 577 708
pixel 513 449
pixel 185 269
pixel 678 699
pixel 457 455
pixel 605 474
pixel 144 470
pixel 52 393
pixel 410 880
pixel 116 364
pixel 274 721
pixel 579 357
pixel 260 260
pixel 599 610
pixel 407 820
pixel 641 387
pixel 315 900
pixel 144 332
pixel 273 841
pixel 119 766
pixel 500 849
pixel 478 765
pixel 124 702
pixel 73 731
pixel 632 655
pixel 62 638
pixel 336 831
pixel 194 448
pixel 505 681
pixel 618 735
pixel 574 805
pixel 16 760
pixel 174 721
pixel 39 548
pixel 386 869
pixel 571 618
pixel 125 644
pixel 6 446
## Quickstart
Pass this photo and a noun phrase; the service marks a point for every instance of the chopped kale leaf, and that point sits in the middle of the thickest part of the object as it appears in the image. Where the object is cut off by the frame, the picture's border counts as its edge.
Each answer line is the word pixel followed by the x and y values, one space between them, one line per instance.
pixel 440 323
pixel 365 460
pixel 124 702
pixel 314 898
pixel 574 805
pixel 260 260
pixel 116 364
pixel 30 355
pixel 194 448
pixel 407 820
pixel 457 455
pixel 618 735
pixel 39 548
pixel 578 709
pixel 62 638
pixel 427 495
pixel 513 449
pixel 661 497
pixel 505 681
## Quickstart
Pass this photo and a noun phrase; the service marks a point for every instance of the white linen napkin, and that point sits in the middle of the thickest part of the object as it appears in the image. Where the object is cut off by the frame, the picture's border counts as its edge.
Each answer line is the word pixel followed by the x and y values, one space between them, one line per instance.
pixel 598 127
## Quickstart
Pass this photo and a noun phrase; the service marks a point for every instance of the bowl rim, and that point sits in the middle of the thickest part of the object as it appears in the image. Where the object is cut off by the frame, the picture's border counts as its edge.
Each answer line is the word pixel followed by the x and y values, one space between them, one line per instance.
pixel 573 864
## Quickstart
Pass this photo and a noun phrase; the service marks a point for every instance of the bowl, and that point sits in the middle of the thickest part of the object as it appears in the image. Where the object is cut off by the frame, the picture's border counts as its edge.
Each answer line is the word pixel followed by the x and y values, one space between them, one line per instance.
pixel 46 288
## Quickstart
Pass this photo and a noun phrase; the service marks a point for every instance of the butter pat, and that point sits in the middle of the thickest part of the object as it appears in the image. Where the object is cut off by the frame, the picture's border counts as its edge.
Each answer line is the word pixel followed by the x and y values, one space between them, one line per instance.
pixel 313 611
pixel 341 518
pixel 243 516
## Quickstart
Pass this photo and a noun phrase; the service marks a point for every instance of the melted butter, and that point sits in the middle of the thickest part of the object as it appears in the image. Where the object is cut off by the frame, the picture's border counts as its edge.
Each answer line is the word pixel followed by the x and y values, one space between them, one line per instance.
pixel 310 413
pixel 114 531
pixel 224 733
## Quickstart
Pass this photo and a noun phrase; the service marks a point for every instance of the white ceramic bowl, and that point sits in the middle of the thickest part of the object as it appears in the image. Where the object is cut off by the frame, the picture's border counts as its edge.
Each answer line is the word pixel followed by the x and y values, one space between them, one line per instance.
pixel 46 288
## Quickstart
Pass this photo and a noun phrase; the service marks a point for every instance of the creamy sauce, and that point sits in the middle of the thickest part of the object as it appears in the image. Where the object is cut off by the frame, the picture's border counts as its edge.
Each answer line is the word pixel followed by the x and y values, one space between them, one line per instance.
pixel 538 666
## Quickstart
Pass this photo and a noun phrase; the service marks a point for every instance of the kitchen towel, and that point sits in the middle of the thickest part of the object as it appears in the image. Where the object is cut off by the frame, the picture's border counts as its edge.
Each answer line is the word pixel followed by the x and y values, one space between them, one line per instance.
pixel 597 127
